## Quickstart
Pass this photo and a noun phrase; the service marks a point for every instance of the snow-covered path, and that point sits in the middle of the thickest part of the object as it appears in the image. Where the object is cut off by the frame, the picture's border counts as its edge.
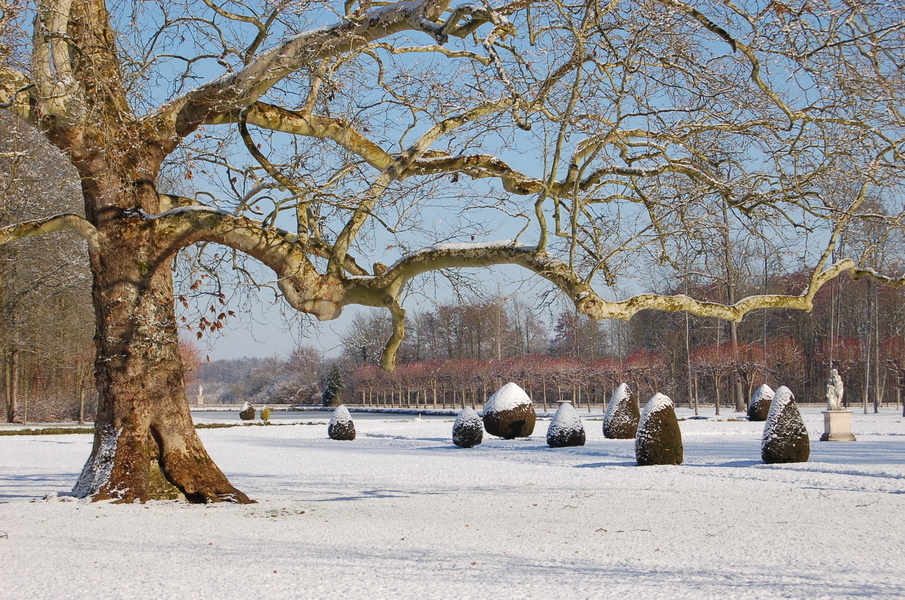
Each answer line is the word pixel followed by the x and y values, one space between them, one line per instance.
pixel 402 513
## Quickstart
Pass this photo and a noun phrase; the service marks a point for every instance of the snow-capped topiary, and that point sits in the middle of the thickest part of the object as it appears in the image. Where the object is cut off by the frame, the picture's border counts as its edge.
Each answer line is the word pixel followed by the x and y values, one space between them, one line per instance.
pixel 565 428
pixel 659 440
pixel 785 437
pixel 468 430
pixel 247 412
pixel 509 413
pixel 760 403
pixel 620 421
pixel 341 426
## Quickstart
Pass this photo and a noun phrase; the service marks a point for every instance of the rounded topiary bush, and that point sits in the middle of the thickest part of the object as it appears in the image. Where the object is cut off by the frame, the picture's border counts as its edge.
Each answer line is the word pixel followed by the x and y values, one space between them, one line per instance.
pixel 659 440
pixel 565 428
pixel 509 413
pixel 785 437
pixel 760 403
pixel 468 430
pixel 247 413
pixel 620 421
pixel 341 426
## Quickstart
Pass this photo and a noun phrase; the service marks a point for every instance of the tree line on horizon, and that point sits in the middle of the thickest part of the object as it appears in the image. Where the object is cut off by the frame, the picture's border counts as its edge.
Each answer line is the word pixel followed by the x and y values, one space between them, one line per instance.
pixel 462 352
pixel 458 354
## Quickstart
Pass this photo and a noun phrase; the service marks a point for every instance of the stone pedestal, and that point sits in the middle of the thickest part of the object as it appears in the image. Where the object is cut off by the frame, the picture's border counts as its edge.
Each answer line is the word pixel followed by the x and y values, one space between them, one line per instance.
pixel 837 426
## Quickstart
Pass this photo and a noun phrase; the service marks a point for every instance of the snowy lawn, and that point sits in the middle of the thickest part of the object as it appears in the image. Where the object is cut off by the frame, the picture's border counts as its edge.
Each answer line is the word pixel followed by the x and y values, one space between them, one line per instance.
pixel 403 513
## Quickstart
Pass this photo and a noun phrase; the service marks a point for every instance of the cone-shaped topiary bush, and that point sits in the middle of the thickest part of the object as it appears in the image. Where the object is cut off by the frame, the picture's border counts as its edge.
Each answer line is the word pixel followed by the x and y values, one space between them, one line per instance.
pixel 509 413
pixel 659 440
pixel 565 428
pixel 341 426
pixel 760 403
pixel 468 430
pixel 620 421
pixel 247 413
pixel 785 437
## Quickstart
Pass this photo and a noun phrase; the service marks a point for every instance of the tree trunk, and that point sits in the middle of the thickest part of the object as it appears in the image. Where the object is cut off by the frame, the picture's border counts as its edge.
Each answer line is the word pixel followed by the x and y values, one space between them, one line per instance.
pixel 145 443
pixel 716 388
pixel 737 389
pixel 12 385
pixel 82 393
pixel 696 395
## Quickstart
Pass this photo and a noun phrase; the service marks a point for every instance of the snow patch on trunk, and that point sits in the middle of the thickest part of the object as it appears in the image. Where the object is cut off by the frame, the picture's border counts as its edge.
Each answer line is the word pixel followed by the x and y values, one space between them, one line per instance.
pixel 96 472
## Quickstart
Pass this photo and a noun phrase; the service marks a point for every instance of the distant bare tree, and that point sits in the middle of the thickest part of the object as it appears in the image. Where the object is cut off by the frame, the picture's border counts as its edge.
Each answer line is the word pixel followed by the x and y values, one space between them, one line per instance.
pixel 46 320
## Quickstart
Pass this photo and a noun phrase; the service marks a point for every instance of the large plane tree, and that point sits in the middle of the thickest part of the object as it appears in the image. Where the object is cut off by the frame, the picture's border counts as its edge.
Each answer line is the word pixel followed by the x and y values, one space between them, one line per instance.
pixel 600 146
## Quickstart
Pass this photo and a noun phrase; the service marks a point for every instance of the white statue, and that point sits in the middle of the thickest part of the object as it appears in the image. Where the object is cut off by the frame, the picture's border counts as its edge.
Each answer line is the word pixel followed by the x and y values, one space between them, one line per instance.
pixel 200 395
pixel 834 391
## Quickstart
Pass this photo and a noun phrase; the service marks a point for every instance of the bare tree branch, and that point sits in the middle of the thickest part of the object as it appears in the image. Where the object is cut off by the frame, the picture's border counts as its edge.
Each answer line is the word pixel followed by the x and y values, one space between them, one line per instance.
pixel 65 222
pixel 235 91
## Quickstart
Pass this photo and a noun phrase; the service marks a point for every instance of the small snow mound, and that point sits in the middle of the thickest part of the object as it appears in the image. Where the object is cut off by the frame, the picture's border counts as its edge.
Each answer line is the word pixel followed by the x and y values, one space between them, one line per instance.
pixel 566 418
pixel 508 397
pixel 764 392
pixel 341 415
pixel 620 394
pixel 620 421
pixel 565 428
pixel 781 399
pixel 468 429
pixel 468 416
pixel 656 403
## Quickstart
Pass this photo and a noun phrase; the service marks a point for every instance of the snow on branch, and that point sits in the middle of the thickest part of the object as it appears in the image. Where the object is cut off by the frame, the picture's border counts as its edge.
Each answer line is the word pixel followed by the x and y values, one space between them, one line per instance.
pixel 239 89
pixel 63 222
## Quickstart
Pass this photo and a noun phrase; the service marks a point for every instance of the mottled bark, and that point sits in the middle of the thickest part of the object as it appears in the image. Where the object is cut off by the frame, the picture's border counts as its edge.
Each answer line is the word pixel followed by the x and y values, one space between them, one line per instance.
pixel 146 446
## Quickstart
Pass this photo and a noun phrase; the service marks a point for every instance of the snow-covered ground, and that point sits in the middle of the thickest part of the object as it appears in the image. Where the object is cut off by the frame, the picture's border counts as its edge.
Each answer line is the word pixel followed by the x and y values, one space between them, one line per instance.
pixel 403 513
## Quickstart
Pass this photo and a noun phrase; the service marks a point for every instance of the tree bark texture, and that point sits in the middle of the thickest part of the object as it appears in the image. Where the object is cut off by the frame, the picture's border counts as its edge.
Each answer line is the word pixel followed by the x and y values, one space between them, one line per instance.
pixel 12 384
pixel 145 446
